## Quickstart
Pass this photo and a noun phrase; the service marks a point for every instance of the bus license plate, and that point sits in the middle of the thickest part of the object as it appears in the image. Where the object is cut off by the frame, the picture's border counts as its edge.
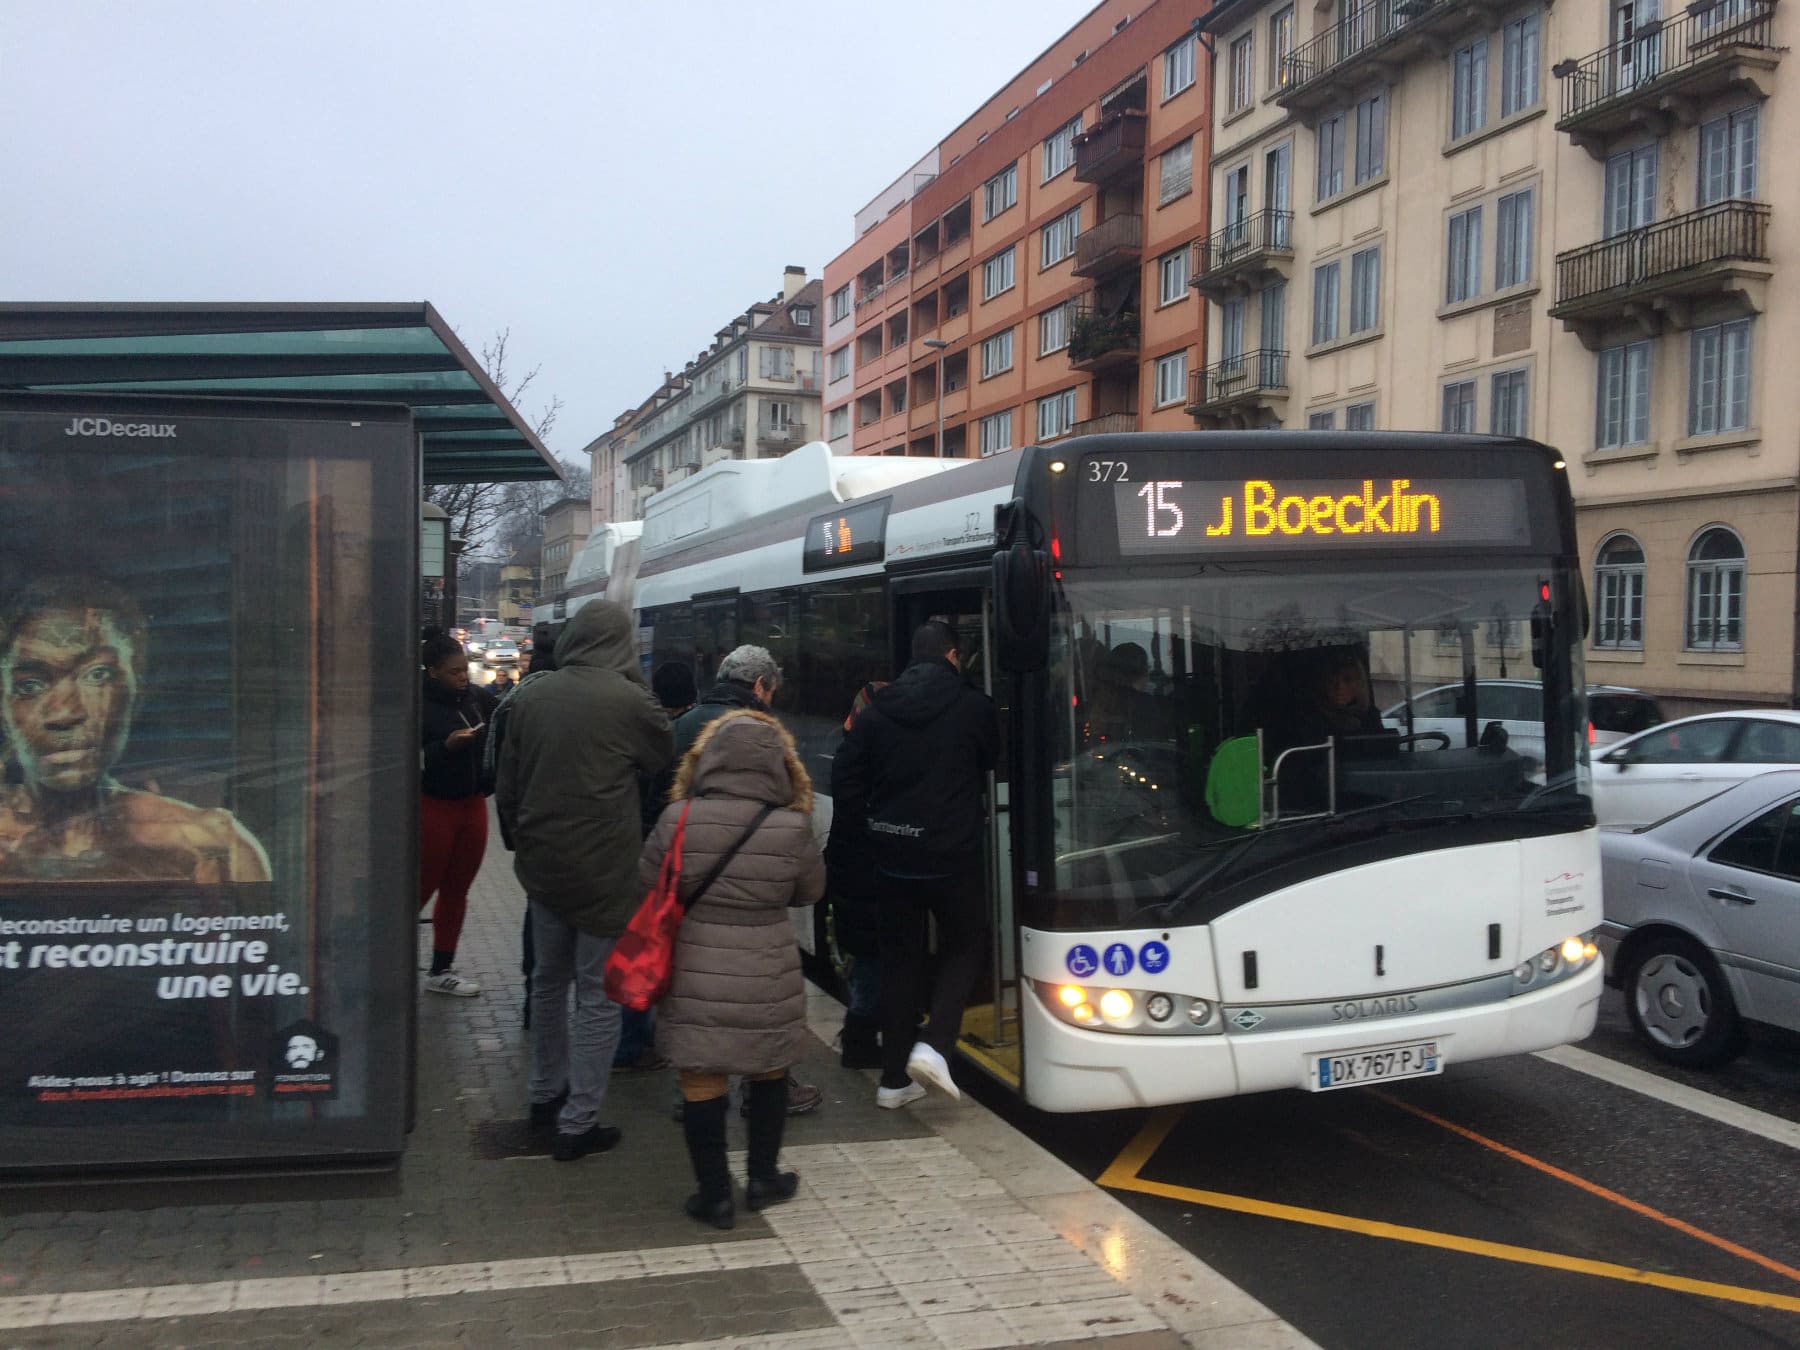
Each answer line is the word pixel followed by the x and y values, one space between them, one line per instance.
pixel 1380 1064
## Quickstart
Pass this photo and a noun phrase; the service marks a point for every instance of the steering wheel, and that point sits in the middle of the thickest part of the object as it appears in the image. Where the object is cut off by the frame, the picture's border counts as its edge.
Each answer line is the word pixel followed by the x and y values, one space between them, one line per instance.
pixel 1442 738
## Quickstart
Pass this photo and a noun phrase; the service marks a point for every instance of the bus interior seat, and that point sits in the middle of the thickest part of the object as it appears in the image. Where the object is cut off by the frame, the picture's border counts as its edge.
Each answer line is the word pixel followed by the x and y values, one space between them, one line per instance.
pixel 1234 783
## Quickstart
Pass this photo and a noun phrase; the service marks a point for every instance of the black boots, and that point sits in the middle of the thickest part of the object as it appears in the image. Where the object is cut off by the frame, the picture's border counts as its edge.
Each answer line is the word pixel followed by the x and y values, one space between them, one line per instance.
pixel 767 1099
pixel 859 1043
pixel 704 1125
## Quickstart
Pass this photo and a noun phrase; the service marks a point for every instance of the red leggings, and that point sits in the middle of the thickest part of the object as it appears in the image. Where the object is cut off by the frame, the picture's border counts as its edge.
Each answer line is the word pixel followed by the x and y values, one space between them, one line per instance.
pixel 452 837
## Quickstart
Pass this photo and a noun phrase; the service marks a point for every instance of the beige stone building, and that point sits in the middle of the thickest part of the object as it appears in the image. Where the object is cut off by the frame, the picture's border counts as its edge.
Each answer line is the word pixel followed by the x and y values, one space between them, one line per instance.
pixel 566 526
pixel 1553 221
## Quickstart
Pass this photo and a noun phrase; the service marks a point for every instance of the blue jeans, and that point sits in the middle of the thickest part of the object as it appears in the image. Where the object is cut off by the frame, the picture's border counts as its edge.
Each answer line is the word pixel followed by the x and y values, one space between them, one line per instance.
pixel 637 1033
pixel 865 987
pixel 569 960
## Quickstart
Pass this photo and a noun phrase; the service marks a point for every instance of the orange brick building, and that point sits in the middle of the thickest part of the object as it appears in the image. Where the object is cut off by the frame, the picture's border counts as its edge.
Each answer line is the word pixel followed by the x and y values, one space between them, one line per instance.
pixel 1039 256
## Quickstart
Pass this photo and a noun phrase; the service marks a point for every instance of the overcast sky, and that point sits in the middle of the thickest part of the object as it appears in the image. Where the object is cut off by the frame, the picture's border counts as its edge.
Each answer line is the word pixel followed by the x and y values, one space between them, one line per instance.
pixel 611 181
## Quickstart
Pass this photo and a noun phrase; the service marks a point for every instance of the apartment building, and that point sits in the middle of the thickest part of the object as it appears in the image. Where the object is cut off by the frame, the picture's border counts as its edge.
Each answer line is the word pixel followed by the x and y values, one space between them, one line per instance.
pixel 609 491
pixel 566 526
pixel 1028 277
pixel 1552 221
pixel 753 393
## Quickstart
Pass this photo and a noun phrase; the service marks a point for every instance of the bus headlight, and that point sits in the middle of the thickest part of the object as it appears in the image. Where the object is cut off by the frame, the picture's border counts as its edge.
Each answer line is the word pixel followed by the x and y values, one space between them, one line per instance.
pixel 1116 1005
pixel 1574 951
pixel 1146 1012
pixel 1568 957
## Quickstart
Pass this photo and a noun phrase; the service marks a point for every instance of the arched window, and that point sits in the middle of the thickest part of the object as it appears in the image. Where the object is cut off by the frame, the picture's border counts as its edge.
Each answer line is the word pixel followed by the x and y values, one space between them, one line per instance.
pixel 1619 593
pixel 1715 592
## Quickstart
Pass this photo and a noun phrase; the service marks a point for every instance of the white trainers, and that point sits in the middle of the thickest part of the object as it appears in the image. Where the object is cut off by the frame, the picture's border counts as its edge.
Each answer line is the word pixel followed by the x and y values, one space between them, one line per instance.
pixel 449 982
pixel 892 1099
pixel 926 1063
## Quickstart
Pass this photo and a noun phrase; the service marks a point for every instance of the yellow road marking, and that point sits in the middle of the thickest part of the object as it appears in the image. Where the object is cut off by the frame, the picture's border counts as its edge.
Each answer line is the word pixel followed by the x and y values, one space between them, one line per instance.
pixel 1593 1188
pixel 1123 1175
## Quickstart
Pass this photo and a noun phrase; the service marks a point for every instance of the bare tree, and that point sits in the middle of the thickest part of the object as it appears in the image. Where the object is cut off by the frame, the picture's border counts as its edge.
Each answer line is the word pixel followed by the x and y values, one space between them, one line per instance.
pixel 476 509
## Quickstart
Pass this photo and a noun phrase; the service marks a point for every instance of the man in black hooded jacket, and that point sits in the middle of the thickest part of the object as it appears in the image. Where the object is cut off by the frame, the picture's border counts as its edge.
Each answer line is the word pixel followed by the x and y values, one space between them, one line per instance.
pixel 913 769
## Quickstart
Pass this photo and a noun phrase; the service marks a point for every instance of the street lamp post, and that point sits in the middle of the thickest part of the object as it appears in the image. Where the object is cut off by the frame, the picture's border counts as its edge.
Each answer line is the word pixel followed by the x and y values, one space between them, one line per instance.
pixel 938 345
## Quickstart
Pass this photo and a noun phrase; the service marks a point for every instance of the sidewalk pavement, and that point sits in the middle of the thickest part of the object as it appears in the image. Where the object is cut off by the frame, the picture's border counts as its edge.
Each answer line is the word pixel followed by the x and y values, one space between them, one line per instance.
pixel 938 1226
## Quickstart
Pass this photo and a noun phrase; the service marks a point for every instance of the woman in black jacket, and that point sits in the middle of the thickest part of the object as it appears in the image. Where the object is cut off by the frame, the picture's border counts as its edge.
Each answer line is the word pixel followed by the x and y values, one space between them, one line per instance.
pixel 453 822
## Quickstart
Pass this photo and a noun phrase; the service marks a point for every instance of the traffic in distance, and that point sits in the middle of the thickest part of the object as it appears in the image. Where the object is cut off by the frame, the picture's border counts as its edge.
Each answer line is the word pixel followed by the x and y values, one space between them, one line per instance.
pixel 1215 866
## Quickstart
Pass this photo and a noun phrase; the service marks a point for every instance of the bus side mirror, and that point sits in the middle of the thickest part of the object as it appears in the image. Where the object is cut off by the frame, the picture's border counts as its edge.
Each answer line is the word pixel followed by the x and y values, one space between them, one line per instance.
pixel 1022 608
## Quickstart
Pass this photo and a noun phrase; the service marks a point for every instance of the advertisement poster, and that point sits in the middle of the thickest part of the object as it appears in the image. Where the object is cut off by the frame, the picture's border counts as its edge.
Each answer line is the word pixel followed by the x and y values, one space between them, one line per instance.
pixel 203 778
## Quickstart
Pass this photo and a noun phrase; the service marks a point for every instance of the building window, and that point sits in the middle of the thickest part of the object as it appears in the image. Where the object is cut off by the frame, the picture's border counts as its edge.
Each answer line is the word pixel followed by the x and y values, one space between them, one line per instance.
pixel 840 421
pixel 1171 379
pixel 1176 171
pixel 1325 304
pixel 1728 157
pixel 840 362
pixel 1463 264
pixel 1000 192
pixel 1172 277
pixel 1059 149
pixel 1243 73
pixel 997 274
pixel 1231 331
pixel 1619 593
pixel 1330 137
pixel 1512 250
pixel 1468 88
pixel 1274 318
pixel 1508 410
pixel 1178 66
pixel 840 304
pixel 1365 290
pixel 780 415
pixel 1519 65
pixel 1719 378
pixel 996 432
pixel 1059 237
pixel 1715 592
pixel 1630 190
pixel 1624 411
pixel 1053 328
pixel 1055 414
pixel 777 363
pixel 1322 421
pixel 803 316
pixel 1359 417
pixel 1281 46
pixel 997 354
pixel 1371 137
pixel 1459 407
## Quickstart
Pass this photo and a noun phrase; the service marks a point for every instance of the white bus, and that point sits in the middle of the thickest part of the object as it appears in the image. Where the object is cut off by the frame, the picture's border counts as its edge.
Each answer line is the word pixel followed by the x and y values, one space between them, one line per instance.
pixel 1213 868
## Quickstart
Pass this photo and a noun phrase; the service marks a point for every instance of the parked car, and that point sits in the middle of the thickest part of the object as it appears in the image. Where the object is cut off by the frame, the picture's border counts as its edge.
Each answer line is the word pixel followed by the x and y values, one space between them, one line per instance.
pixel 1613 713
pixel 1657 772
pixel 1702 926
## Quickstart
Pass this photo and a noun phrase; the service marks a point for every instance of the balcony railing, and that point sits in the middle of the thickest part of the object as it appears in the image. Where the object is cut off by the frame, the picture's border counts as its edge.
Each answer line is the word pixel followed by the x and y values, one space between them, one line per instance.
pixel 793 433
pixel 1106 424
pixel 1239 378
pixel 1111 146
pixel 1660 54
pixel 1242 247
pixel 1097 338
pixel 1115 242
pixel 1671 254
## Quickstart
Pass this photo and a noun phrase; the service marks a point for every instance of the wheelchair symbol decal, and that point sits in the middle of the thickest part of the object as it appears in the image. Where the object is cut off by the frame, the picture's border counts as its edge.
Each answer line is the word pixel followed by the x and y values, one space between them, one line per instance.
pixel 1082 961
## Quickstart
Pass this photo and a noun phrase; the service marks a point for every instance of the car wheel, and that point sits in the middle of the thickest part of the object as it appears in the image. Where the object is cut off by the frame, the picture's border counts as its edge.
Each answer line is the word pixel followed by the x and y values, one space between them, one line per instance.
pixel 1680 1005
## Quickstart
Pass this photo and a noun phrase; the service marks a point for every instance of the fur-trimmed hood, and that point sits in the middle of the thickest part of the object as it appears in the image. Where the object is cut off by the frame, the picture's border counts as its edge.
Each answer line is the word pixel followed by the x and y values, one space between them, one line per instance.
pixel 749 755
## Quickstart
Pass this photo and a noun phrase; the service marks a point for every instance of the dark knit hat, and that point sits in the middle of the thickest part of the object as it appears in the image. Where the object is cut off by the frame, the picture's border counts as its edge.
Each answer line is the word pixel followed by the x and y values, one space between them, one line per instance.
pixel 673 684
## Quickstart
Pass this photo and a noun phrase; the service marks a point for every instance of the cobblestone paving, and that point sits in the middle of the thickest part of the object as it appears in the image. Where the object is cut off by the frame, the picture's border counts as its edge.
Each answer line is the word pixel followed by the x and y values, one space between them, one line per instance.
pixel 897 1238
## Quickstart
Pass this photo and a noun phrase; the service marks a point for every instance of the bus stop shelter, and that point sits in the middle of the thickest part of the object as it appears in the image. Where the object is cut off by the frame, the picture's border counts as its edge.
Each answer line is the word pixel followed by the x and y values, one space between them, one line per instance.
pixel 209 546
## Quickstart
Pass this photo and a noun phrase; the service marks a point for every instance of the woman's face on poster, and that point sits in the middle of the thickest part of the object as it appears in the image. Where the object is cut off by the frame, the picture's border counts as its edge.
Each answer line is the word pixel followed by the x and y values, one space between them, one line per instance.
pixel 67 686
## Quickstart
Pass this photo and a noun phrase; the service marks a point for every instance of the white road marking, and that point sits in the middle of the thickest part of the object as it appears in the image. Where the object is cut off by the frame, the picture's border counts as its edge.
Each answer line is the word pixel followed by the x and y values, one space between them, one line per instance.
pixel 1726 1112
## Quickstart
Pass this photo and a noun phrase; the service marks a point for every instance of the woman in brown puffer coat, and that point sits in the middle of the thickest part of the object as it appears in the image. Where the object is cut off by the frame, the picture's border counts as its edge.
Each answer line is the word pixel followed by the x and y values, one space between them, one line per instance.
pixel 737 1003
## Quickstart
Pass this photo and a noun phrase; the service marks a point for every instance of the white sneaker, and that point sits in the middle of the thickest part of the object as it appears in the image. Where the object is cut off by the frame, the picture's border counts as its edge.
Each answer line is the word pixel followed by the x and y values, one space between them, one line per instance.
pixel 892 1099
pixel 926 1063
pixel 449 982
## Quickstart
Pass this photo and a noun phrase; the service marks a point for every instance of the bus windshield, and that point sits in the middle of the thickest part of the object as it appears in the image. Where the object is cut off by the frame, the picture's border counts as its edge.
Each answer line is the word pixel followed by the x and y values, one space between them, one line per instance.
pixel 1225 728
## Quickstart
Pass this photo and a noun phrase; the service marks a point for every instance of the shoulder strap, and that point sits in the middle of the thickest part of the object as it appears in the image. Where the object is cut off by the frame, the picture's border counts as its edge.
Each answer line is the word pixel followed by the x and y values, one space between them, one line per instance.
pixel 730 853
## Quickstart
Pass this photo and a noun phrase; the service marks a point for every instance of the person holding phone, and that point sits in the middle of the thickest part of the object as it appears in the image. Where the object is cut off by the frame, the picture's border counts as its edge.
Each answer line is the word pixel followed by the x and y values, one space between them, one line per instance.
pixel 453 818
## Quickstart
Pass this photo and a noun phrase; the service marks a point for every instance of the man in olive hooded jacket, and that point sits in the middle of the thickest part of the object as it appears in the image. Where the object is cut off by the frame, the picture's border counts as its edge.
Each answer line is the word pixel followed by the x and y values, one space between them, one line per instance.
pixel 576 741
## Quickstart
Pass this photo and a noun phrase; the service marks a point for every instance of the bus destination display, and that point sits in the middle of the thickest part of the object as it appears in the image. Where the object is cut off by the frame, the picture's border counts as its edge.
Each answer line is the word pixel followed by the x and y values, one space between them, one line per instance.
pixel 1188 515
pixel 851 537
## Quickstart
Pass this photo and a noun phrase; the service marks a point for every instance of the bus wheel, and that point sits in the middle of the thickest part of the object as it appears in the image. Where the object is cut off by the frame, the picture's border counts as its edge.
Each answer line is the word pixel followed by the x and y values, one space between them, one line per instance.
pixel 1679 1004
